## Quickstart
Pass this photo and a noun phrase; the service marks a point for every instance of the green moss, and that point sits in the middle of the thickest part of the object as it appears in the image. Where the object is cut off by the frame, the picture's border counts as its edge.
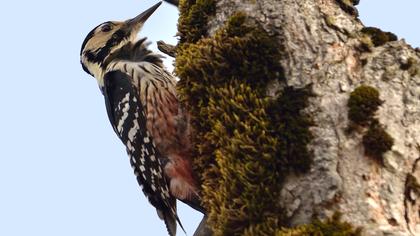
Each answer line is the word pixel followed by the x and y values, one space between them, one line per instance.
pixel 245 142
pixel 348 6
pixel 363 103
pixel 292 128
pixel 377 141
pixel 378 36
pixel 247 187
pixel 194 14
pixel 330 20
pixel 366 43
pixel 329 227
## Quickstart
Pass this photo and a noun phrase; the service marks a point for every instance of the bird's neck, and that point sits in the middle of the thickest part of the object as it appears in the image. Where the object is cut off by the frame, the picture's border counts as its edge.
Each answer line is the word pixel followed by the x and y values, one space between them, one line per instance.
pixel 135 52
pixel 98 73
pixel 129 54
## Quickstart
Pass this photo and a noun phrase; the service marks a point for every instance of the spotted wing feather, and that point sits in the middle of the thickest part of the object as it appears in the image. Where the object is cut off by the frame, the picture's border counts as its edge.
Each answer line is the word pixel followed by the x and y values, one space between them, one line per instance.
pixel 127 117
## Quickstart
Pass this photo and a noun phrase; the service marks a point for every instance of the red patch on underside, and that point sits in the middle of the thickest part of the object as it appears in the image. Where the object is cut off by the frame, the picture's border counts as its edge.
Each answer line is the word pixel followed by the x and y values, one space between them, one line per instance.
pixel 182 183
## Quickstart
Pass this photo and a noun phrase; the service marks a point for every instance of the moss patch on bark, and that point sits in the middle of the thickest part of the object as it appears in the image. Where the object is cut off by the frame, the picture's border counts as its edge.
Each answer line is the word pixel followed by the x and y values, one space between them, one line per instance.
pixel 245 142
pixel 363 103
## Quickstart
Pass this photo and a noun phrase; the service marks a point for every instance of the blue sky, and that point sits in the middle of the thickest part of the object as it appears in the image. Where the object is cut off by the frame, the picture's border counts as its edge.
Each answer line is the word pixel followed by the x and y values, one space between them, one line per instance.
pixel 62 169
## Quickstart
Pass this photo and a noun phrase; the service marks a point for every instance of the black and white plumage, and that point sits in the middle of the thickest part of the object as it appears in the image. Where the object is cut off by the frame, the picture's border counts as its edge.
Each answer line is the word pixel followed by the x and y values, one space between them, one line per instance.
pixel 144 111
pixel 128 120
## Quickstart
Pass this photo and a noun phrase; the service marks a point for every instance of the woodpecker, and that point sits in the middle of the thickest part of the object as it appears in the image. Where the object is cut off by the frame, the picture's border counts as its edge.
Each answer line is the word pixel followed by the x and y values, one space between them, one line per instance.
pixel 144 111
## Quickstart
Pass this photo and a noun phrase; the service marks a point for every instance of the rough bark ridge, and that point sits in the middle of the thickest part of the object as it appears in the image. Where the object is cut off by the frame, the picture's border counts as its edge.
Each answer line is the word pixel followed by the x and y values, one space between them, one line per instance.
pixel 323 46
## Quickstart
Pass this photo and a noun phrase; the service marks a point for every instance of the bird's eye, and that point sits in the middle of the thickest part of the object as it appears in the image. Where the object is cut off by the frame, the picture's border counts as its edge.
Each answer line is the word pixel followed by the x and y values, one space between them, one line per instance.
pixel 106 28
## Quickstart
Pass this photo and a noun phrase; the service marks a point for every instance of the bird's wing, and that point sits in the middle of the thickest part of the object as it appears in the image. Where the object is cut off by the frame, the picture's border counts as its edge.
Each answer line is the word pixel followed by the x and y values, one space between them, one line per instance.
pixel 129 122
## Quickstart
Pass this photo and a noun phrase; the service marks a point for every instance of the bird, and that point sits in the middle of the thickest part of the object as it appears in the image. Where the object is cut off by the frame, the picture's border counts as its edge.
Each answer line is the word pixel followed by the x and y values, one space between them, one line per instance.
pixel 144 110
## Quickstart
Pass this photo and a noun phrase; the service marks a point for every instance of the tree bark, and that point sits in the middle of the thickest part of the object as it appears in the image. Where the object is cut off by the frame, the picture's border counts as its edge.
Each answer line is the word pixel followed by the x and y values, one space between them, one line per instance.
pixel 323 47
pixel 168 49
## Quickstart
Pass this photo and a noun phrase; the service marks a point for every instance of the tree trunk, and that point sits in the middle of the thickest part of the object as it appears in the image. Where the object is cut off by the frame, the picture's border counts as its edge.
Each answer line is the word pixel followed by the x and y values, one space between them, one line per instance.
pixel 324 47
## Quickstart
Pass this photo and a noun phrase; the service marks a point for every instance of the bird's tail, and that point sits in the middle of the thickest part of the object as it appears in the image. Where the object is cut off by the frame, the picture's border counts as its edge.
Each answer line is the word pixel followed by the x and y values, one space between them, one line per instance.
pixel 170 217
pixel 195 202
pixel 170 222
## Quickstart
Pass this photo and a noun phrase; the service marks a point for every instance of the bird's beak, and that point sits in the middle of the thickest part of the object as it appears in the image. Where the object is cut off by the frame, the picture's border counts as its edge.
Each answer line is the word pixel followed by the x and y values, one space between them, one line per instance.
pixel 136 23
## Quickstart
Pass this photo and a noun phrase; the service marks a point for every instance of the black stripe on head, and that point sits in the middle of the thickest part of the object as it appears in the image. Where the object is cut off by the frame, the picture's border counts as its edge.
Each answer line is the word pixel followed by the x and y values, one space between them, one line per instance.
pixel 103 52
pixel 88 37
pixel 99 55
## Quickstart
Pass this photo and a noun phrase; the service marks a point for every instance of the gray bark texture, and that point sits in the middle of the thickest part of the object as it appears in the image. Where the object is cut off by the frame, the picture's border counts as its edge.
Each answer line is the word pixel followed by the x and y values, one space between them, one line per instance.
pixel 321 42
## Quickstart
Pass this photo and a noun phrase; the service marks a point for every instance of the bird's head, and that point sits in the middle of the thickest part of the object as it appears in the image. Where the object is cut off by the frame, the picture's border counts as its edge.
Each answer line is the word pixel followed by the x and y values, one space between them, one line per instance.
pixel 107 38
